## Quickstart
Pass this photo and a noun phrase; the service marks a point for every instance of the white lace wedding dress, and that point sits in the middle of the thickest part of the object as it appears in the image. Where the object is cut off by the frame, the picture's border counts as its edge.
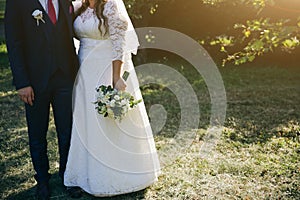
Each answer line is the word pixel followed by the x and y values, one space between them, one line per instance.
pixel 106 157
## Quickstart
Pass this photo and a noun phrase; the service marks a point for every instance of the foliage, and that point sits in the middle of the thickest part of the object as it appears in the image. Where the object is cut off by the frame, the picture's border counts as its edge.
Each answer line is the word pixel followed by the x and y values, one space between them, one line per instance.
pixel 136 7
pixel 259 36
pixel 2 8
pixel 244 41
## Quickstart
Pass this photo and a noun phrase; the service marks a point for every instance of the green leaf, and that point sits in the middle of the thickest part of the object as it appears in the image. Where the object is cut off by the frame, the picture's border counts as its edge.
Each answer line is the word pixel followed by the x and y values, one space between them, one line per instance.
pixel 223 49
pixel 247 33
pixel 288 43
pixel 251 58
pixel 257 45
pixel 212 43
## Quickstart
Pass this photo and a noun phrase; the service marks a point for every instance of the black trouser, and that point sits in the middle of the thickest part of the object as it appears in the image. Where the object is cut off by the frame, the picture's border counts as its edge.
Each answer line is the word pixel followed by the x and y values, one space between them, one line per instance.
pixel 59 95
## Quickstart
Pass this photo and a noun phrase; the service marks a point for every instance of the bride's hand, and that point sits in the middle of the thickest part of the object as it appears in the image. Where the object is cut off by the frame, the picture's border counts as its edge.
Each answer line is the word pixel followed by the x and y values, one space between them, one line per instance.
pixel 120 85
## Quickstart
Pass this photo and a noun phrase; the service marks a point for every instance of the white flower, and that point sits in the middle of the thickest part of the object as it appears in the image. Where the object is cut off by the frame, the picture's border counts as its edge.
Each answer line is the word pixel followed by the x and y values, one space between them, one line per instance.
pixel 112 103
pixel 115 91
pixel 101 94
pixel 124 102
pixel 117 97
pixel 124 110
pixel 106 98
pixel 38 15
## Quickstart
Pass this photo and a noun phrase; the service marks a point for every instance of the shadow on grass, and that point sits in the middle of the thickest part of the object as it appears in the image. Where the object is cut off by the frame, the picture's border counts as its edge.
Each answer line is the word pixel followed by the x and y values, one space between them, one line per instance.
pixel 14 183
pixel 27 194
pixel 262 103
pixel 58 191
pixel 3 54
pixel 3 60
pixel 262 100
pixel 245 132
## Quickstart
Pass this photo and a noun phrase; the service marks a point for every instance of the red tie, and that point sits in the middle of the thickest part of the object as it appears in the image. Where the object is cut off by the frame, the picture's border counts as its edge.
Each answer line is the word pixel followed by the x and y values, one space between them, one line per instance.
pixel 51 12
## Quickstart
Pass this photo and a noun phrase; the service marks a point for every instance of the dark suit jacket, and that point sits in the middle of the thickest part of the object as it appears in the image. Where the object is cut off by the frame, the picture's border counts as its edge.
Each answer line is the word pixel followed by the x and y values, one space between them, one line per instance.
pixel 30 46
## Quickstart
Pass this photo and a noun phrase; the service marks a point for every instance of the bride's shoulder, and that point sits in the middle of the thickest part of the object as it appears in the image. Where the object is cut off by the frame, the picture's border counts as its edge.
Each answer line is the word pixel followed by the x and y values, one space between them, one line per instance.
pixel 110 3
pixel 110 7
pixel 76 4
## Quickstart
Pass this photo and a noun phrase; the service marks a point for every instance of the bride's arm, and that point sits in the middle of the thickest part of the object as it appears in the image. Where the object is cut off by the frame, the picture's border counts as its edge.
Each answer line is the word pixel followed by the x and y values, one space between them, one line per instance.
pixel 118 81
pixel 116 28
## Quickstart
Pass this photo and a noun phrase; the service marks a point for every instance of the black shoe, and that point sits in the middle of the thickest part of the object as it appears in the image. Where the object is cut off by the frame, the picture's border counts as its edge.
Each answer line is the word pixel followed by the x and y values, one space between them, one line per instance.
pixel 43 192
pixel 74 192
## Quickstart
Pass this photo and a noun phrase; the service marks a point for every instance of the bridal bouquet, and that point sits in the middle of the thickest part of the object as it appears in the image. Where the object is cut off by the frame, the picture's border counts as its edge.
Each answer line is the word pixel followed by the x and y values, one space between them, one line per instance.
pixel 113 103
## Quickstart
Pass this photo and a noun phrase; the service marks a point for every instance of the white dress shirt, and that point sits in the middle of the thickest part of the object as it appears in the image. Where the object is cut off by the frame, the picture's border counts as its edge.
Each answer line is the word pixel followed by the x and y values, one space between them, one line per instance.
pixel 55 3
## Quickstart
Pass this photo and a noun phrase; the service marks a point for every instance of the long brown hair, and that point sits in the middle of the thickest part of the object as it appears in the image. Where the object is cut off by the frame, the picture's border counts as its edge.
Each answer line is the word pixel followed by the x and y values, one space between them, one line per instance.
pixel 99 7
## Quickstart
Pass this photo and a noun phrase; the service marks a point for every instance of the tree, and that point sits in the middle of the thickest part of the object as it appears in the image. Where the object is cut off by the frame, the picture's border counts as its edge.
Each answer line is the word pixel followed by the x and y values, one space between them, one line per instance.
pixel 136 7
pixel 259 36
pixel 252 38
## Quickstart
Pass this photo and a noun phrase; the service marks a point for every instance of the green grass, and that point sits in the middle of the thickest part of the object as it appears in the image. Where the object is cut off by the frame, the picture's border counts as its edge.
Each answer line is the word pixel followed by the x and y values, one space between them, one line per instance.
pixel 2 8
pixel 256 158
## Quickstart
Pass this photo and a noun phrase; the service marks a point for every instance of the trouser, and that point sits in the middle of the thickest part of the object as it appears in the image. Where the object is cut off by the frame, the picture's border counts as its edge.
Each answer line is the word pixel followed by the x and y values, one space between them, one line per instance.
pixel 58 94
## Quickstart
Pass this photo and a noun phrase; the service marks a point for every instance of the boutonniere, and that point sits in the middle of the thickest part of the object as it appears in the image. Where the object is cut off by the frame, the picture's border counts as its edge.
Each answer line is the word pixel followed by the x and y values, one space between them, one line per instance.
pixel 38 15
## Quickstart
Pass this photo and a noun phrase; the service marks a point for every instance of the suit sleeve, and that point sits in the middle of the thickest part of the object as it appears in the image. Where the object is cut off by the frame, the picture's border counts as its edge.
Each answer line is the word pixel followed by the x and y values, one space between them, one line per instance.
pixel 15 44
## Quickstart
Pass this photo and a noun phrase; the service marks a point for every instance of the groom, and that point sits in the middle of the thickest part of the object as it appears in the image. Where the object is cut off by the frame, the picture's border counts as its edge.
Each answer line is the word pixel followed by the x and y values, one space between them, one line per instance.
pixel 39 38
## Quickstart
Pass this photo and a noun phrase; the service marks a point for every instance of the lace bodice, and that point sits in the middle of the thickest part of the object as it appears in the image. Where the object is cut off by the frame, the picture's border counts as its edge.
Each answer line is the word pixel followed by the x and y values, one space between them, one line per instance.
pixel 86 26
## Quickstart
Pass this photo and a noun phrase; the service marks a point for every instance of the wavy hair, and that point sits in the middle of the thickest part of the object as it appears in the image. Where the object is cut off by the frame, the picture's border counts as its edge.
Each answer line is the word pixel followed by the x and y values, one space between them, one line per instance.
pixel 99 7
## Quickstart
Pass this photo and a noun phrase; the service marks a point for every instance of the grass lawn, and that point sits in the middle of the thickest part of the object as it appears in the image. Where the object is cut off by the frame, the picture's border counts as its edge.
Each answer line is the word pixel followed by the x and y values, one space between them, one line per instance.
pixel 2 8
pixel 256 158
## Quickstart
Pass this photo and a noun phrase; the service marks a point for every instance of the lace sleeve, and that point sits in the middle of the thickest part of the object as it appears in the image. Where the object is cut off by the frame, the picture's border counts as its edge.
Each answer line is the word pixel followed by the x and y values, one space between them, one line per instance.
pixel 117 26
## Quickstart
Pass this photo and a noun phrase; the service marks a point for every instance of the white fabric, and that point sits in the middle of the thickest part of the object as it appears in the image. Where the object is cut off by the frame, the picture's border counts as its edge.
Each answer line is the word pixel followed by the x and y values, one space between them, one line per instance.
pixel 106 157
pixel 131 39
pixel 55 4
pixel 117 26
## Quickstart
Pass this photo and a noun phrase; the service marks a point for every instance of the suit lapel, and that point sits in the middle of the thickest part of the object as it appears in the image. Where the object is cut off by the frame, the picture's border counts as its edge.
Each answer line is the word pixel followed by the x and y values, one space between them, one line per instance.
pixel 47 26
pixel 64 5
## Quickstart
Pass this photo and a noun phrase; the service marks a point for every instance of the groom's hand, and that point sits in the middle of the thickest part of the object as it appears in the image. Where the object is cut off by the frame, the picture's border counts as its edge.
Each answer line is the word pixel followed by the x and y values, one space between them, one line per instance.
pixel 27 95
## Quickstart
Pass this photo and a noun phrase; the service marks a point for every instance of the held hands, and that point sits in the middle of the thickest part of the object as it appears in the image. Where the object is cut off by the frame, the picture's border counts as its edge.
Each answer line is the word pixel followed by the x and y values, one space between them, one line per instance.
pixel 26 95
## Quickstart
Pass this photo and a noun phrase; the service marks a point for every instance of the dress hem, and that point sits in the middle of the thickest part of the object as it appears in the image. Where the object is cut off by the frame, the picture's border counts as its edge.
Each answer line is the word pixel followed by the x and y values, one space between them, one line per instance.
pixel 135 189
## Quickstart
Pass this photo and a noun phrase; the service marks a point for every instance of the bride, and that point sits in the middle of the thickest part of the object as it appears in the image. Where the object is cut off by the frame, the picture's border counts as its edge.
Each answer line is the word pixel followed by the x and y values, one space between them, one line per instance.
pixel 108 157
